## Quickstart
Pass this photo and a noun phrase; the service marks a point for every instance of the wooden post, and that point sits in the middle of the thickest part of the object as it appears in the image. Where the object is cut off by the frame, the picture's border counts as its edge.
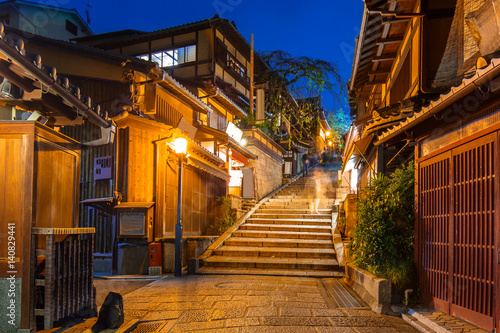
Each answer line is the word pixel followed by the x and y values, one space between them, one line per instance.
pixel 48 319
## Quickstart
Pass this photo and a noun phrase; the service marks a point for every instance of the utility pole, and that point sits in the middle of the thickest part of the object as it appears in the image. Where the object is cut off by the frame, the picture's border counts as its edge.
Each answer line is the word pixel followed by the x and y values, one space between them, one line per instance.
pixel 88 11
pixel 251 76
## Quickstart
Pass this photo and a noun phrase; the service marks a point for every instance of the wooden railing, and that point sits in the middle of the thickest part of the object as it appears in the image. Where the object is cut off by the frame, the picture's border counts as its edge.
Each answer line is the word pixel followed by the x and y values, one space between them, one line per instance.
pixel 67 284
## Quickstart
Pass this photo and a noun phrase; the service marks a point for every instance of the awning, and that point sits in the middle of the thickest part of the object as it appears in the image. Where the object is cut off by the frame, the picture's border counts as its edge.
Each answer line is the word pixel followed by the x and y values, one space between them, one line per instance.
pixel 208 168
pixel 214 93
pixel 357 151
pixel 235 146
pixel 227 103
pixel 213 132
pixel 181 92
pixel 239 157
pixel 104 204
pixel 128 205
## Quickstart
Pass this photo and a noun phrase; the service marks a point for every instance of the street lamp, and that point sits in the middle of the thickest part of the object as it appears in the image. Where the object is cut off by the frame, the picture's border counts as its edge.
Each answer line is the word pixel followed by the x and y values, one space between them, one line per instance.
pixel 180 147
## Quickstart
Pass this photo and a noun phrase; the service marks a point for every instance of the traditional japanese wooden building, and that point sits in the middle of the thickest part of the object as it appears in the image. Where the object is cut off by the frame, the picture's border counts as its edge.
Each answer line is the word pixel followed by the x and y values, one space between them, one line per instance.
pixel 46 263
pixel 432 98
pixel 129 172
pixel 212 60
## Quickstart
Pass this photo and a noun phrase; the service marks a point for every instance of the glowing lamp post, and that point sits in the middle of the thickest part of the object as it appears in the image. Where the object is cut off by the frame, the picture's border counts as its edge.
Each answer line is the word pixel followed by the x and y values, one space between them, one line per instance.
pixel 180 146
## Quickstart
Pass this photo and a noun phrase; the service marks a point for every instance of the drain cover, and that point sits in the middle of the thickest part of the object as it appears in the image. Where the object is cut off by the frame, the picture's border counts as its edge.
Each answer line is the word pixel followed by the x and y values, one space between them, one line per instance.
pixel 342 294
pixel 150 327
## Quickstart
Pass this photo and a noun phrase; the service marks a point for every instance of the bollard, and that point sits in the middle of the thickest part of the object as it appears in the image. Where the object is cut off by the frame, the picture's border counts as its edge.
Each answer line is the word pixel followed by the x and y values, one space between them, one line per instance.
pixel 193 262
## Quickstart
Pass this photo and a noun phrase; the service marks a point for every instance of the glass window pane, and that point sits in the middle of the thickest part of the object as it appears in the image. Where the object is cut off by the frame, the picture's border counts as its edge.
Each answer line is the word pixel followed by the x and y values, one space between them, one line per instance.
pixel 181 55
pixel 156 57
pixel 191 53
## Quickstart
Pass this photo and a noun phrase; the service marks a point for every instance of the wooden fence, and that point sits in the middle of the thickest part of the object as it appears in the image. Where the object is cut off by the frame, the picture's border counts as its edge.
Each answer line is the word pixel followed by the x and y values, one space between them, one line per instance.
pixel 67 284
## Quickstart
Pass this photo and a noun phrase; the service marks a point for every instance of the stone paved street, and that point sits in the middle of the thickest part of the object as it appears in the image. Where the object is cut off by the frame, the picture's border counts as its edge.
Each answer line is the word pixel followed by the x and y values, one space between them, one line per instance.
pixel 248 304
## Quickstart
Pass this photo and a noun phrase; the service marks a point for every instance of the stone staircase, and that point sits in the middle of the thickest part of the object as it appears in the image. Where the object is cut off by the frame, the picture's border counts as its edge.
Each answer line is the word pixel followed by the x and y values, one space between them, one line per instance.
pixel 281 237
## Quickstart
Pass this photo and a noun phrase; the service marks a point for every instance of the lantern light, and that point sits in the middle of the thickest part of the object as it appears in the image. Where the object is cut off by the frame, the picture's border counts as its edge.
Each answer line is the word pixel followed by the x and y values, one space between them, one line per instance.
pixel 180 145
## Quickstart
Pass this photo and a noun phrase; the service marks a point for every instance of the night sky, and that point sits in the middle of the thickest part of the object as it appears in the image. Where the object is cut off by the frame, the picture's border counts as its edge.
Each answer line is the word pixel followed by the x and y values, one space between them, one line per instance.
pixel 323 29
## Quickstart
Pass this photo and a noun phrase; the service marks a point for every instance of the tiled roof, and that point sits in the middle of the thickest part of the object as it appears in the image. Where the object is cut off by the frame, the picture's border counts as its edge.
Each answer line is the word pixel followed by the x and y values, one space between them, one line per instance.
pixel 35 75
pixel 127 61
pixel 467 85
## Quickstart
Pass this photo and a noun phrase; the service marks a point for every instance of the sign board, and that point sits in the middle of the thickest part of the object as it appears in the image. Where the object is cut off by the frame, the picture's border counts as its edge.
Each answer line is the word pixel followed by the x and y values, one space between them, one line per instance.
pixel 103 167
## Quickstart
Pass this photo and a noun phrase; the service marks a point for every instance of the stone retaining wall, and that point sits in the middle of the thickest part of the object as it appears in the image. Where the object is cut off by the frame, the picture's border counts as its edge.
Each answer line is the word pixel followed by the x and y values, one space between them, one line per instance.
pixel 376 292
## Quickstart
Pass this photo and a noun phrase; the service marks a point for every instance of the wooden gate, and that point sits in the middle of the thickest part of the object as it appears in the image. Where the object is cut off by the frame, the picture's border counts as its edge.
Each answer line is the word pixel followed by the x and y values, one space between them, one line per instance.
pixel 456 231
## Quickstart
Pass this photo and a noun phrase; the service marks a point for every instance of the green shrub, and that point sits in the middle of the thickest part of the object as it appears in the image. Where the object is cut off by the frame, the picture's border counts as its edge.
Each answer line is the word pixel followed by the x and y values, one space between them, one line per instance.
pixel 383 240
pixel 341 224
pixel 225 217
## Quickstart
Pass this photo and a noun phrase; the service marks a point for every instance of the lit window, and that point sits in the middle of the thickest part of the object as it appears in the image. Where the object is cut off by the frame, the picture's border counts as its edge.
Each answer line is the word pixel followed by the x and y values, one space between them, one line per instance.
pixel 236 66
pixel 172 57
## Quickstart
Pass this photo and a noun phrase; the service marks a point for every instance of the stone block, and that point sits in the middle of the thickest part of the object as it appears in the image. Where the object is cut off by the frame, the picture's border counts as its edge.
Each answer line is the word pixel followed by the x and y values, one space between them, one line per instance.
pixel 376 292
pixel 137 258
pixel 168 257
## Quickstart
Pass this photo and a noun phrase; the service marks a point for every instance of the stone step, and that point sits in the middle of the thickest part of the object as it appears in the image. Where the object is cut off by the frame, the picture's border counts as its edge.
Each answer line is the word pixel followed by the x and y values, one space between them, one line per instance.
pixel 272 263
pixel 271 210
pixel 286 227
pixel 281 234
pixel 319 222
pixel 269 272
pixel 304 198
pixel 291 205
pixel 280 242
pixel 285 215
pixel 275 252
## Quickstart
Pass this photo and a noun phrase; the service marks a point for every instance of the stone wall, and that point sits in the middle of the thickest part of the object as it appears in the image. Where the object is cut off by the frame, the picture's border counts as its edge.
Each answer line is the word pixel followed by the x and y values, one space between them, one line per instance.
pixel 268 167
pixel 268 174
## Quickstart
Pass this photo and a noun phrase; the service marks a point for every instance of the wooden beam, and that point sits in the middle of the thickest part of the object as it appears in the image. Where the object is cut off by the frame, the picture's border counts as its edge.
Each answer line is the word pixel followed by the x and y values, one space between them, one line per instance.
pixel 373 29
pixel 380 72
pixel 389 56
pixel 390 40
pixel 372 37
pixel 367 54
pixel 396 20
pixel 63 121
pixel 375 82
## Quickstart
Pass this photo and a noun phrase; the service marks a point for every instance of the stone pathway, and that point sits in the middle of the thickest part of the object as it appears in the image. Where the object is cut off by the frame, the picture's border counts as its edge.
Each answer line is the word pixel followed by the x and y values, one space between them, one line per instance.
pixel 248 304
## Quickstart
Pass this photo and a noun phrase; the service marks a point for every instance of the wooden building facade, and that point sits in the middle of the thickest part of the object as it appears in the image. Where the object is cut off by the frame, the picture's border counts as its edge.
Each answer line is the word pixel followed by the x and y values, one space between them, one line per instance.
pixel 46 253
pixel 127 170
pixel 451 131
pixel 212 60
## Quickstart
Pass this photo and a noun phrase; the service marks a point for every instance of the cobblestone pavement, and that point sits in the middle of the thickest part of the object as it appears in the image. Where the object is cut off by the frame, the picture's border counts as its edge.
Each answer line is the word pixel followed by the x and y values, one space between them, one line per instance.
pixel 248 304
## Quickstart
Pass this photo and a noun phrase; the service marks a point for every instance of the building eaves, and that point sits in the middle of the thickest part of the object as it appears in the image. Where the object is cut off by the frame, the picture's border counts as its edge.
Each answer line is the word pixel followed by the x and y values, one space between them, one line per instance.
pixel 111 34
pixel 147 67
pixel 467 86
pixel 382 31
pixel 29 73
pixel 91 52
pixel 228 28
pixel 233 144
pixel 217 94
pixel 172 84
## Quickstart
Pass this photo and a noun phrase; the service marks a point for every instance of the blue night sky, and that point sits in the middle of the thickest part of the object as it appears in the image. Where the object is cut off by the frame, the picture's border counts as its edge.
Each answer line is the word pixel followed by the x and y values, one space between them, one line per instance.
pixel 323 29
